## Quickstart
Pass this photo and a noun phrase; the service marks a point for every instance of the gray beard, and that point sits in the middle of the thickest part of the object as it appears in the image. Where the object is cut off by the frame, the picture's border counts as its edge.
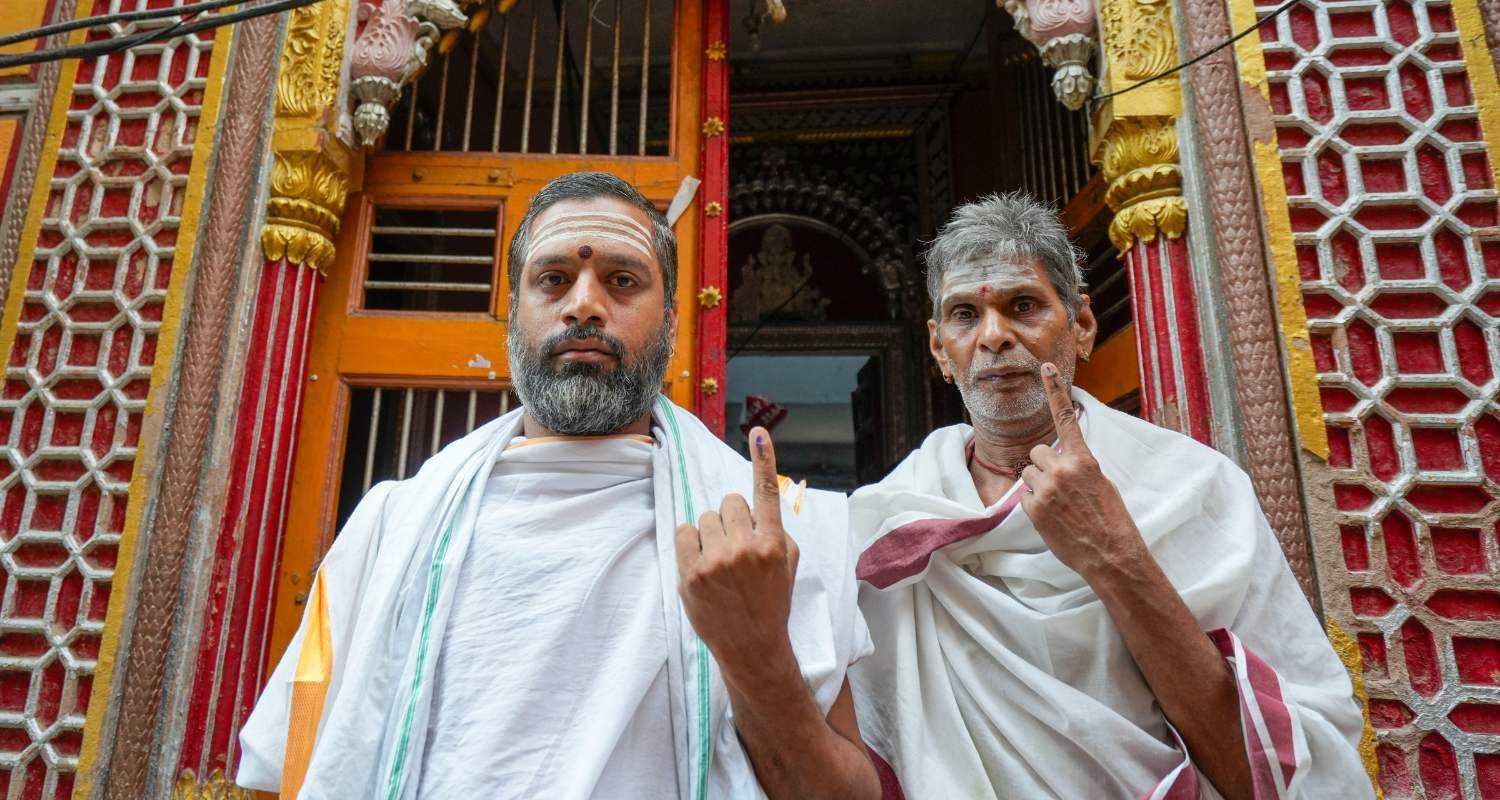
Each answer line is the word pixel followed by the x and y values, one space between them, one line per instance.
pixel 581 399
pixel 996 408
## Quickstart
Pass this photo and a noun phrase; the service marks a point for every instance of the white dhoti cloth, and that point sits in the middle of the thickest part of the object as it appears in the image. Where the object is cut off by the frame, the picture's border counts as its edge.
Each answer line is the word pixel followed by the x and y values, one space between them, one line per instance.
pixel 998 672
pixel 362 669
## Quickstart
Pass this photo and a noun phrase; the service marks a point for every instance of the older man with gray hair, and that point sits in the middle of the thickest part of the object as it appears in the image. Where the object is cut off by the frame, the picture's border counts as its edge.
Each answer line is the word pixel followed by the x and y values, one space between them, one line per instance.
pixel 1067 601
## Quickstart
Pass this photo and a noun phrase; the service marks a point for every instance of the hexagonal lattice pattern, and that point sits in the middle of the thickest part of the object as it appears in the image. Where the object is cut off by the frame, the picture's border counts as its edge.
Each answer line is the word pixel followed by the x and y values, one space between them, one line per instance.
pixel 75 386
pixel 1393 207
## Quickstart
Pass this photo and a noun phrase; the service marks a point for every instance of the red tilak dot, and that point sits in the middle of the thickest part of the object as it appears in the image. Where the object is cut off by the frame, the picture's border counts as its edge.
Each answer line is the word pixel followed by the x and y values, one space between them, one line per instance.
pixel 585 251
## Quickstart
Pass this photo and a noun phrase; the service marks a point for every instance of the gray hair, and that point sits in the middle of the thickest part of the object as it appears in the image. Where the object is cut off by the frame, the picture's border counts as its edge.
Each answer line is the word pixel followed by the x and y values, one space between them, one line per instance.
pixel 1013 227
pixel 587 186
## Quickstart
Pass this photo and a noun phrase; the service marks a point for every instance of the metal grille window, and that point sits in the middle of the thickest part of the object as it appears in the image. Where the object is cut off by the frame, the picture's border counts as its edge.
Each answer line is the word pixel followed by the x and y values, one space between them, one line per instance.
pixel 432 260
pixel 548 76
pixel 393 430
pixel 1055 141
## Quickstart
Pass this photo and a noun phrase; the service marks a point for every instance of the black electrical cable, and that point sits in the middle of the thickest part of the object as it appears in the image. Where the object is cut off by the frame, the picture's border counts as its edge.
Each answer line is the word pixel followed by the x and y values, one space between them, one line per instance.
pixel 1278 11
pixel 107 19
pixel 102 47
pixel 108 46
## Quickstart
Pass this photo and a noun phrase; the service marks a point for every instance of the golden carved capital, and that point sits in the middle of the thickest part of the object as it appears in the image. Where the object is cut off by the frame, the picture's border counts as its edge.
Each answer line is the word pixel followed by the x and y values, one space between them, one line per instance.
pixel 1138 157
pixel 1145 220
pixel 308 189
pixel 1135 134
pixel 1136 142
pixel 310 170
pixel 213 786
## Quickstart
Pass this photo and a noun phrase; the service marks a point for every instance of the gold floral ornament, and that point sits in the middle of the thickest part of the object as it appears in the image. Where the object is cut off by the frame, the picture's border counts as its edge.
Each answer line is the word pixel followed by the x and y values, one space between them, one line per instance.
pixel 713 126
pixel 709 386
pixel 213 786
pixel 1139 159
pixel 710 297
pixel 716 51
pixel 307 193
pixel 713 209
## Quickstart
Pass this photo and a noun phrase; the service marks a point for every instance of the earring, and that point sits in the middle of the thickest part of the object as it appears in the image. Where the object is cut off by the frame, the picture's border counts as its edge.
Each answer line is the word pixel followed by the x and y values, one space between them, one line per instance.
pixel 947 377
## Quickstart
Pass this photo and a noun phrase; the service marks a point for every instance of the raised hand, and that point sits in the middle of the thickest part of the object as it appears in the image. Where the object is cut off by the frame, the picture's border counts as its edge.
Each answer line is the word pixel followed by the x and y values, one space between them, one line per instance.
pixel 1077 510
pixel 735 573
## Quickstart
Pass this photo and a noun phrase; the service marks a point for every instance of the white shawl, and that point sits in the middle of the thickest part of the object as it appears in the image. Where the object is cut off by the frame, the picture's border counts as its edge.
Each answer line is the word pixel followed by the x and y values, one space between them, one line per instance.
pixel 998 672
pixel 387 588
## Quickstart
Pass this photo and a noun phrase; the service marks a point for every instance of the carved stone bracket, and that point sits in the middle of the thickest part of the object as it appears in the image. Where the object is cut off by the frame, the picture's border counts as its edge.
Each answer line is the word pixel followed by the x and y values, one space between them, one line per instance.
pixel 1135 134
pixel 1063 32
pixel 390 51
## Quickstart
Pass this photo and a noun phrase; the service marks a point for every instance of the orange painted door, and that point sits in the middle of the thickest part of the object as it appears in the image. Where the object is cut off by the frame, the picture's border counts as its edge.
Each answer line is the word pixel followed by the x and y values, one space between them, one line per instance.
pixel 408 347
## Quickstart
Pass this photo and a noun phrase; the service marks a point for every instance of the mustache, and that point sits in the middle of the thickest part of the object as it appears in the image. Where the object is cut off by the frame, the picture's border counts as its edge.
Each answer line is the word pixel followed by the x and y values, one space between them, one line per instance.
pixel 583 333
pixel 1029 363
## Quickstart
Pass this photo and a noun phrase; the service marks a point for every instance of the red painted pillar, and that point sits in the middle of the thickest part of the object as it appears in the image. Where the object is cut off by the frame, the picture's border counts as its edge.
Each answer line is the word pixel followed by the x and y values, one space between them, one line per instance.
pixel 714 270
pixel 1174 380
pixel 231 662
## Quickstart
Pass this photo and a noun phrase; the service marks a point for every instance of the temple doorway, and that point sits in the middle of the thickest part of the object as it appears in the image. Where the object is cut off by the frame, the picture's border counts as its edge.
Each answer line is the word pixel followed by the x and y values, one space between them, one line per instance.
pixel 854 132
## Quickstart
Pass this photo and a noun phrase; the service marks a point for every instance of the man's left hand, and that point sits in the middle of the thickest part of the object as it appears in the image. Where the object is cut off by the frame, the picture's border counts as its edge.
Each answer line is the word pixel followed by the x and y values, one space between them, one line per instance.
pixel 735 574
pixel 1077 510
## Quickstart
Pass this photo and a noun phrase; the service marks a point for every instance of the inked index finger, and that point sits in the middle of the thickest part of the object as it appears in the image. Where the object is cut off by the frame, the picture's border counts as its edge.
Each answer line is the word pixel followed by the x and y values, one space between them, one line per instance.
pixel 767 509
pixel 1064 415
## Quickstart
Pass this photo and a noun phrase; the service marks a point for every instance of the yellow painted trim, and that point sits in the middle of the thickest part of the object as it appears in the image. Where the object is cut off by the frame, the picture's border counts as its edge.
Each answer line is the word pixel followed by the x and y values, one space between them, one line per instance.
pixel 155 413
pixel 1482 79
pixel 1307 403
pixel 1348 652
pixel 20 15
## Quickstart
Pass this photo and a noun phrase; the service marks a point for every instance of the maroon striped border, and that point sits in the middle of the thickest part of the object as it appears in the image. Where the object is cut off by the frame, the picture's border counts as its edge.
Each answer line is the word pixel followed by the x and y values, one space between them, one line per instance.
pixel 903 552
pixel 1259 691
pixel 1260 686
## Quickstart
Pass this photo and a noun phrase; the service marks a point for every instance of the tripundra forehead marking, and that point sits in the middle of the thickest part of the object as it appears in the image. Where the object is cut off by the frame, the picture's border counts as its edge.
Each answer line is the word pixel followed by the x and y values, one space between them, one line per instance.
pixel 594 224
pixel 982 278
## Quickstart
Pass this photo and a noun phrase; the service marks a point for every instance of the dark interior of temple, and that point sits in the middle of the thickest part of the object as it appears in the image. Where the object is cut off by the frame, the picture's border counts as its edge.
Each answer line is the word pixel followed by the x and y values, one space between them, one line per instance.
pixel 855 128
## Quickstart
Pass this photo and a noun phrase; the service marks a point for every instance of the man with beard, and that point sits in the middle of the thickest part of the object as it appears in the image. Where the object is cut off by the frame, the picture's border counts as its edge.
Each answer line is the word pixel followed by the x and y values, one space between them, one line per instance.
pixel 542 611
pixel 1067 601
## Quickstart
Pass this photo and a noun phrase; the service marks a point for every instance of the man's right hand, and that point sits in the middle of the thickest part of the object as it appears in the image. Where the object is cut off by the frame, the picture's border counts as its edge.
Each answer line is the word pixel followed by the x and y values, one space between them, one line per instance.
pixel 736 569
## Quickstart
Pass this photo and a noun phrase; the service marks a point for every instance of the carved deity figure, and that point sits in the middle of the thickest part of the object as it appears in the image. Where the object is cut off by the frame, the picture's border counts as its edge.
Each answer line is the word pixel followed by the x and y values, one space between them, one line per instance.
pixel 773 285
